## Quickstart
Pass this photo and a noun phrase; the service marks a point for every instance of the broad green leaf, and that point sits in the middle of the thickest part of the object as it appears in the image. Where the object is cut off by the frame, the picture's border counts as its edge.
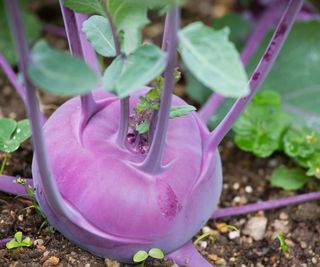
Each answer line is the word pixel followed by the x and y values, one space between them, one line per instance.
pixel 85 6
pixel 12 244
pixel 289 179
pixel 32 27
pixel 143 127
pixel 125 76
pixel 213 59
pixel 7 127
pixel 239 28
pixel 22 132
pixel 295 74
pixel 60 73
pixel 99 33
pixel 129 18
pixel 140 256
pixel 156 253
pixel 180 111
pixel 18 236
pixel 26 242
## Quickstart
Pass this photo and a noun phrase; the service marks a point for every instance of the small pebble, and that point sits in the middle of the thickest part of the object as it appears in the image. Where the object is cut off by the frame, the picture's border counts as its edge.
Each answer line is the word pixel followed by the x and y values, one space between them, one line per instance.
pixel 236 186
pixel 20 217
pixel 203 244
pixel 39 242
pixel 314 260
pixel 52 261
pixel 283 216
pixel 234 234
pixel 256 227
pixel 303 244
pixel 248 189
pixel 111 263
pixel 206 229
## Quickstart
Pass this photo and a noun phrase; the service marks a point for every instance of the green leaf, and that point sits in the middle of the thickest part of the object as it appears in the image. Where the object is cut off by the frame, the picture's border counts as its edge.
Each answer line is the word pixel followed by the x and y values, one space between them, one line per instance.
pixel 314 165
pixel 295 74
pixel 156 253
pixel 140 256
pixel 289 179
pixel 22 132
pixel 12 244
pixel 85 6
pixel 60 73
pixel 18 236
pixel 125 76
pixel 7 128
pixel 239 28
pixel 143 127
pixel 32 27
pixel 99 33
pixel 180 111
pixel 129 18
pixel 213 59
pixel 26 242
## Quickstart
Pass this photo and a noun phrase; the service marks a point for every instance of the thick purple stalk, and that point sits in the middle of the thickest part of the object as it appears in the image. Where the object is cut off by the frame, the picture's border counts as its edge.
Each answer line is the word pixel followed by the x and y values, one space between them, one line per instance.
pixel 189 256
pixel 265 205
pixel 8 71
pixel 33 109
pixel 263 25
pixel 79 46
pixel 8 184
pixel 153 161
pixel 258 75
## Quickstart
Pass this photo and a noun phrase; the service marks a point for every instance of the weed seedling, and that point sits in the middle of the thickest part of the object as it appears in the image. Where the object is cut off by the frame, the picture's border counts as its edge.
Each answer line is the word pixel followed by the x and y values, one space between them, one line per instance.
pixel 18 241
pixel 141 256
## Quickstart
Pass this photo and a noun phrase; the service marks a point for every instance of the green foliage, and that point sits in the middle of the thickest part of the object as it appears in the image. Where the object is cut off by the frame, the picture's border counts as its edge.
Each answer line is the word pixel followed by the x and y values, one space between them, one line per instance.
pixel 239 28
pixel 32 27
pixel 213 59
pixel 262 125
pixel 12 134
pixel 18 241
pixel 60 73
pixel 283 245
pixel 143 127
pixel 141 256
pixel 179 111
pixel 127 75
pixel 289 179
pixel 99 33
pixel 295 74
pixel 85 6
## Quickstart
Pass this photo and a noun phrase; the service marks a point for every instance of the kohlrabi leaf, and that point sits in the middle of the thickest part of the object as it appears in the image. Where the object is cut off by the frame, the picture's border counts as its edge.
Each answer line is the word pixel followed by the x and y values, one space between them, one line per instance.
pixel 179 111
pixel 140 256
pixel 85 6
pixel 60 73
pixel 239 28
pixel 32 27
pixel 12 134
pixel 143 127
pixel 129 18
pixel 99 33
pixel 289 179
pixel 295 74
pixel 213 59
pixel 260 128
pixel 126 75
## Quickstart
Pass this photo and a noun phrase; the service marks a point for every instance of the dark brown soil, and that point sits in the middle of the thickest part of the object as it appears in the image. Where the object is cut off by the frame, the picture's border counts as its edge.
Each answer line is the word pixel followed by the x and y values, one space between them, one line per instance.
pixel 245 181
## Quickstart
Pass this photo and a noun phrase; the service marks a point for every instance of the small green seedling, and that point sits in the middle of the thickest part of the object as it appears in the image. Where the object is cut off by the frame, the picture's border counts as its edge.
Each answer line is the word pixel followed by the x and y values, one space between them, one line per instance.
pixel 283 245
pixel 141 256
pixel 205 235
pixel 18 241
pixel 12 134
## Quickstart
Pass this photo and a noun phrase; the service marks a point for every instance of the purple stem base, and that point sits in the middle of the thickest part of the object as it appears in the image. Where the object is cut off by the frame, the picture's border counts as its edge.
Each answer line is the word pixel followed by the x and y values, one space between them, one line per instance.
pixel 8 185
pixel 265 205
pixel 188 256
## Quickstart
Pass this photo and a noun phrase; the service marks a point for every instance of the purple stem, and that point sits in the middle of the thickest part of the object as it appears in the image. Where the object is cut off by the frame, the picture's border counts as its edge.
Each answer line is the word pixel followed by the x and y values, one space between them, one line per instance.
pixel 79 46
pixel 259 75
pixel 3 242
pixel 5 66
pixel 263 25
pixel 50 188
pixel 153 161
pixel 188 256
pixel 8 184
pixel 55 30
pixel 265 205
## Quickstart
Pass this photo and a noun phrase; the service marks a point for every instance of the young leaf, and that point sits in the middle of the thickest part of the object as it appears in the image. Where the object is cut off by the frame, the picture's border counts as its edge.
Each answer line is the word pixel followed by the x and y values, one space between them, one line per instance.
pixel 32 27
pixel 124 76
pixel 143 127
pixel 60 73
pixel 213 59
pixel 180 111
pixel 22 132
pixel 99 33
pixel 283 245
pixel 85 6
pixel 18 236
pixel 140 256
pixel 129 18
pixel 12 244
pixel 156 253
pixel 7 127
pixel 289 179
